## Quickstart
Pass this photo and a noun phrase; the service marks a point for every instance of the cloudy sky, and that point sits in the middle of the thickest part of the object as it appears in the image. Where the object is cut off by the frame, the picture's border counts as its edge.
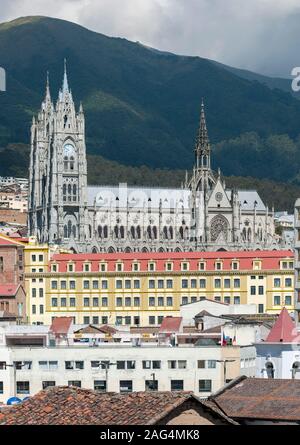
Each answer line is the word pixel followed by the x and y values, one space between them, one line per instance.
pixel 260 35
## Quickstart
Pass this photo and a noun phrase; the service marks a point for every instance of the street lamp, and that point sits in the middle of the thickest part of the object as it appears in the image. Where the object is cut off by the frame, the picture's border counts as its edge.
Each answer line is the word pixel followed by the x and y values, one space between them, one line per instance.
pixel 225 363
pixel 106 365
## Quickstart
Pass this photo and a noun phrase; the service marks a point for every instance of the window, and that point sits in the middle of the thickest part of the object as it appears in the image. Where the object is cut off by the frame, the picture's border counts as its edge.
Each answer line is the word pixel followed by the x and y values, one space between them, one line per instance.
pixel 63 285
pixel 136 284
pixel 33 258
pixel 227 300
pixel 176 385
pixel 182 364
pixel 202 283
pixel 151 301
pixel 121 364
pixel 119 267
pixel 211 364
pixel 54 302
pixel 235 265
pixel 169 266
pixel 72 285
pixel 70 267
pixel 86 284
pixel 217 283
pixel 95 284
pixel 72 302
pixel 76 383
pixel 95 320
pixel 160 319
pixel 2 365
pixel 86 302
pixel 204 385
pixel 104 320
pixel 184 284
pixel 74 365
pixel 160 301
pixel 136 320
pixel 41 308
pixel 227 283
pixel 128 302
pixel 86 267
pixel 135 267
pixel 23 388
pixel 95 302
pixel 288 282
pixel 156 364
pixel 119 284
pixel 184 300
pixel 151 385
pixel 253 290
pixel 218 266
pixel 236 283
pixel 41 258
pixel 169 301
pixel 277 300
pixel 202 266
pixel 136 302
pixel 48 383
pixel 23 365
pixel 100 385
pixel 53 284
pixel 63 302
pixel 103 267
pixel 119 302
pixel 260 308
pixel 201 364
pixel 193 283
pixel 151 284
pixel 169 284
pixel 33 293
pixel 151 320
pixel 151 267
pixel 237 300
pixel 288 300
pixel 104 284
pixel 33 309
pixel 127 284
pixel 277 282
pixel 217 298
pixel 184 266
pixel 125 386
pixel 260 290
pixel 1 387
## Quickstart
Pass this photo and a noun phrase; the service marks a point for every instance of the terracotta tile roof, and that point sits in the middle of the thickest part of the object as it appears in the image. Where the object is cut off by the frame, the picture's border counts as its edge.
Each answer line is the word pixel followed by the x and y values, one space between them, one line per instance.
pixel 270 260
pixel 284 329
pixel 7 241
pixel 61 325
pixel 74 406
pixel 252 398
pixel 170 324
pixel 8 290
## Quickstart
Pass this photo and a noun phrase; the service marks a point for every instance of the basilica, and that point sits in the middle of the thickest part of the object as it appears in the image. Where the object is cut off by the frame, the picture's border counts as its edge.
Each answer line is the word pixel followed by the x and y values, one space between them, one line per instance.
pixel 202 215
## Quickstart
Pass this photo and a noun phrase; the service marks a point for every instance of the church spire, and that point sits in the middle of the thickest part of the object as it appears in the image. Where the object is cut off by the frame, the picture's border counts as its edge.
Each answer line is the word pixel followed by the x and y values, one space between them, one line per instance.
pixel 65 87
pixel 48 96
pixel 202 149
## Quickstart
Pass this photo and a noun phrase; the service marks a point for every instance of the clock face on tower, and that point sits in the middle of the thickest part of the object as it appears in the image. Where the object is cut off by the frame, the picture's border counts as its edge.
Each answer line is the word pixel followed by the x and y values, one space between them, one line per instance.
pixel 69 150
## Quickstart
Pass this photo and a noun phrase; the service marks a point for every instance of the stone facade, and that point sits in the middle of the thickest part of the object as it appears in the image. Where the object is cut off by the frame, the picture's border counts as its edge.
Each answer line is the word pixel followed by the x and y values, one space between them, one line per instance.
pixel 202 215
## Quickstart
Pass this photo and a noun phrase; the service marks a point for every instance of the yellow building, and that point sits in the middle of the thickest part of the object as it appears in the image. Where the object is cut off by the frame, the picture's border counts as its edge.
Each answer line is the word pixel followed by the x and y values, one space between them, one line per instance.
pixel 141 288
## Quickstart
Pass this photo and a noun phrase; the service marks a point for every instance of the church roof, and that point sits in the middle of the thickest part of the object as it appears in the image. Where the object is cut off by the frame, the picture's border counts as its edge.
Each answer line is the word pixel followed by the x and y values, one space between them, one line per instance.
pixel 250 198
pixel 137 196
pixel 284 329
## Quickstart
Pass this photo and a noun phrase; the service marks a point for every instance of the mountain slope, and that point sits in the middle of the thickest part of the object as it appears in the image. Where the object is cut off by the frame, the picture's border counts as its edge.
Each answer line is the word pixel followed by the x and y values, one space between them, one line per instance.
pixel 142 106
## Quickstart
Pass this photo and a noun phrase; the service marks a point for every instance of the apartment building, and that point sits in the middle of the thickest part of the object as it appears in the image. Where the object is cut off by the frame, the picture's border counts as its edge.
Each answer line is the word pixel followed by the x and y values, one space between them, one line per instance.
pixel 31 361
pixel 139 289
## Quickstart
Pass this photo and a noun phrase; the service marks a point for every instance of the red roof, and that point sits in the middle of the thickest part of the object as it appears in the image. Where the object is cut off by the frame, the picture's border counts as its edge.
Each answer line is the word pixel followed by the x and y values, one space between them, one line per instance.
pixel 7 241
pixel 284 329
pixel 8 290
pixel 170 324
pixel 270 259
pixel 61 325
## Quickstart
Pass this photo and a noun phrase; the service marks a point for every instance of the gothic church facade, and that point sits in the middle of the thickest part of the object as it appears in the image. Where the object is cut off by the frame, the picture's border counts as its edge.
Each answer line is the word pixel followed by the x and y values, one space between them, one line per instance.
pixel 202 215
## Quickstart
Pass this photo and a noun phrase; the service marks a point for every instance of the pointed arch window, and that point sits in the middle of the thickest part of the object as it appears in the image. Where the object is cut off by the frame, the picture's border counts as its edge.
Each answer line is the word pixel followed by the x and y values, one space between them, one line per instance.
pixel 74 192
pixel 69 228
pixel 66 163
pixel 171 231
pixel 155 232
pixel 122 232
pixel 100 231
pixel 132 232
pixel 72 161
pixel 138 232
pixel 105 232
pixel 64 192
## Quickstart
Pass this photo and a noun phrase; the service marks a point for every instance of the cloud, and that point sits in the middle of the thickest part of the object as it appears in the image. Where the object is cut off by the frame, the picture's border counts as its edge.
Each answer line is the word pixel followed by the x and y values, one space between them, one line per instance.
pixel 260 35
